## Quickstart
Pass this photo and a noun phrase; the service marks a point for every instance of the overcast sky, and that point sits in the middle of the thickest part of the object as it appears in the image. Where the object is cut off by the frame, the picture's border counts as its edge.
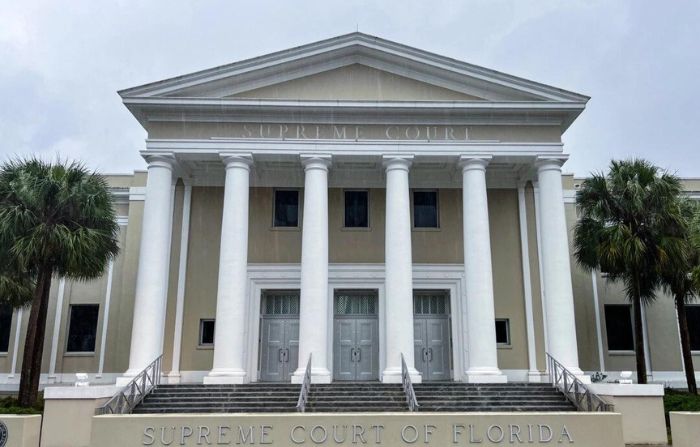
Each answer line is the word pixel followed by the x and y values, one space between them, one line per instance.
pixel 61 63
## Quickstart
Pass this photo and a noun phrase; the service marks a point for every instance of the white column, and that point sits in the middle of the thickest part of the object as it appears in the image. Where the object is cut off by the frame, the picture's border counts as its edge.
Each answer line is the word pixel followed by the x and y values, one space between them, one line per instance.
pixel 153 269
pixel 481 319
pixel 533 373
pixel 15 347
pixel 58 316
pixel 399 272
pixel 105 320
pixel 174 374
pixel 314 301
pixel 556 266
pixel 229 335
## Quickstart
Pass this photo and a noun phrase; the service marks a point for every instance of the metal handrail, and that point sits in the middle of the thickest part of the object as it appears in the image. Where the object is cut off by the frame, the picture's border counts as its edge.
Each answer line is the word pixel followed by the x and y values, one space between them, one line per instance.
pixel 411 399
pixel 574 389
pixel 305 388
pixel 135 391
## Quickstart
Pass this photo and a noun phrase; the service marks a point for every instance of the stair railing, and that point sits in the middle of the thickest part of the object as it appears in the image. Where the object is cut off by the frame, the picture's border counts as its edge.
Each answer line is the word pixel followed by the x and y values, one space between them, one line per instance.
pixel 305 388
pixel 411 399
pixel 135 391
pixel 574 389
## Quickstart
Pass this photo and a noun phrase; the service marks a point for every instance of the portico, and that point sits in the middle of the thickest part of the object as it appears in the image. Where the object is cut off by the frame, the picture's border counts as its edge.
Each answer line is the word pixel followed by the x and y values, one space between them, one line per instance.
pixel 442 133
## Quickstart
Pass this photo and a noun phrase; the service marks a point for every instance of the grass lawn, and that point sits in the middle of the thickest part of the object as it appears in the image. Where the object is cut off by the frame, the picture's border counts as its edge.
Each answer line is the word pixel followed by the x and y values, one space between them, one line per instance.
pixel 8 405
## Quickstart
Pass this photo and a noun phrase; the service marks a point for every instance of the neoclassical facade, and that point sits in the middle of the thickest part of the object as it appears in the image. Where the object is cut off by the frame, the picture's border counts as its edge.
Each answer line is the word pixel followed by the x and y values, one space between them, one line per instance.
pixel 349 202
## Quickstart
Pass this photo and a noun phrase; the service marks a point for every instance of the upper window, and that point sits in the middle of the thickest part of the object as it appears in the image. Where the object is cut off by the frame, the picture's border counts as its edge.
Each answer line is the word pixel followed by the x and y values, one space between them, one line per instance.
pixel 356 209
pixel 5 323
pixel 618 327
pixel 286 212
pixel 692 314
pixel 82 331
pixel 425 209
pixel 206 332
pixel 503 331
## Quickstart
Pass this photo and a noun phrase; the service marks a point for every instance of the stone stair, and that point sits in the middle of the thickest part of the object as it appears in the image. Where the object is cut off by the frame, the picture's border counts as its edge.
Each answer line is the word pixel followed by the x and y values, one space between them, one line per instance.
pixel 510 397
pixel 353 397
pixel 356 397
pixel 197 398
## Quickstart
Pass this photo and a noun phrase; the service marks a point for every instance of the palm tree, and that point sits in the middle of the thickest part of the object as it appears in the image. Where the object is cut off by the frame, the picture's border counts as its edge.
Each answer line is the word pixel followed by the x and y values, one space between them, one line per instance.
pixel 679 281
pixel 629 227
pixel 55 220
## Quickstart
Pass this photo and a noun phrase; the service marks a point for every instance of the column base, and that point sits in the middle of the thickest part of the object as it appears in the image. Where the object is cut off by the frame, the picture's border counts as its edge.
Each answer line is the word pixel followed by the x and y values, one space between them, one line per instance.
pixel 485 375
pixel 537 377
pixel 393 375
pixel 318 375
pixel 172 378
pixel 226 377
pixel 127 377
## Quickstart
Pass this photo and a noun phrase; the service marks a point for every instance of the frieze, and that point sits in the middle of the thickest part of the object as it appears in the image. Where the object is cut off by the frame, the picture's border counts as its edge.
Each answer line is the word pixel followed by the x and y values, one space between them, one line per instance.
pixel 284 131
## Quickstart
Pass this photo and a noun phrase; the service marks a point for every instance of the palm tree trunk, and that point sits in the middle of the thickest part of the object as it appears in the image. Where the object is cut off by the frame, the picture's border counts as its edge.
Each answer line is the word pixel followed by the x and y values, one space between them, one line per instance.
pixel 685 345
pixel 34 340
pixel 639 341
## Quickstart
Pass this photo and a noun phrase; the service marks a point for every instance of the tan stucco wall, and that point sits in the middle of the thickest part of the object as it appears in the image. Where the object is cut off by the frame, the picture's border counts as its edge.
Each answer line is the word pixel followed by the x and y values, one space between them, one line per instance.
pixel 685 428
pixel 643 419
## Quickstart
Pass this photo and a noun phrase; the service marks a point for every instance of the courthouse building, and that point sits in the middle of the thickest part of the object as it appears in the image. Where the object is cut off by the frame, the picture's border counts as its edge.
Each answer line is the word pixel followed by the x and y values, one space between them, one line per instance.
pixel 350 201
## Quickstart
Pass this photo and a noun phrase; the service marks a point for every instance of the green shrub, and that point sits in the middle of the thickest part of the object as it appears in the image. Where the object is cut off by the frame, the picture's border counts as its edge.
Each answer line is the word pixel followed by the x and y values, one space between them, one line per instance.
pixel 9 405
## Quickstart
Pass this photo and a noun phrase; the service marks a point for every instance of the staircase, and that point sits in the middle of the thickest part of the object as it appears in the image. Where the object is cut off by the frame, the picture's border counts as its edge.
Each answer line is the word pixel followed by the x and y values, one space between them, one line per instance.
pixel 510 397
pixel 196 398
pixel 356 397
pixel 353 397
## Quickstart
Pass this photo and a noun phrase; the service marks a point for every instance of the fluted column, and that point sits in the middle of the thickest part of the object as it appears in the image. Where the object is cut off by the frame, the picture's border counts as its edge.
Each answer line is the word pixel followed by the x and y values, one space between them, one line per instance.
pixel 229 336
pixel 153 268
pixel 556 267
pixel 481 320
pixel 314 300
pixel 399 272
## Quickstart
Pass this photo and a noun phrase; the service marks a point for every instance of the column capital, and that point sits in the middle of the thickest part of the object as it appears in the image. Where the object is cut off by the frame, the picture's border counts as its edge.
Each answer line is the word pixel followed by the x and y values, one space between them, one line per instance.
pixel 474 161
pixel 315 161
pixel 237 159
pixel 160 159
pixel 546 162
pixel 392 162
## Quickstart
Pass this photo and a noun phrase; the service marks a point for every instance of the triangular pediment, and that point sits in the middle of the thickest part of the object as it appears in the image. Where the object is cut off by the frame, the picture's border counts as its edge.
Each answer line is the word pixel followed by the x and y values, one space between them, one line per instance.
pixel 356 82
pixel 353 67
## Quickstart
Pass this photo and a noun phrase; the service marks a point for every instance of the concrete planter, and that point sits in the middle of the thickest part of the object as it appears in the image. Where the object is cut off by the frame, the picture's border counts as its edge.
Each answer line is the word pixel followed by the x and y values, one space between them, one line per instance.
pixel 72 408
pixel 20 430
pixel 642 409
pixel 685 428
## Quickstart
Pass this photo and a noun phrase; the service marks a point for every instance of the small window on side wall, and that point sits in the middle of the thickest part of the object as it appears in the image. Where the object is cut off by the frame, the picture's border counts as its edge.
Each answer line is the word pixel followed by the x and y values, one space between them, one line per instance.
pixel 5 324
pixel 82 329
pixel 206 332
pixel 618 327
pixel 425 209
pixel 356 209
pixel 692 314
pixel 503 331
pixel 286 208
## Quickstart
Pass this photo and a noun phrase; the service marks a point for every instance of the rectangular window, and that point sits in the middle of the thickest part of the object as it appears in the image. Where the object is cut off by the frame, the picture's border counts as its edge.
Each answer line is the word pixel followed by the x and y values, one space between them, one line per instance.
pixel 82 329
pixel 286 212
pixel 5 324
pixel 618 327
pixel 503 331
pixel 356 209
pixel 692 314
pixel 206 332
pixel 425 209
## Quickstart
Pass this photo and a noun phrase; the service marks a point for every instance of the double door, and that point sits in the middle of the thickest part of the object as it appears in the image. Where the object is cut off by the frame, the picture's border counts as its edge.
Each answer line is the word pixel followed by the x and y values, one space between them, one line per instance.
pixel 355 336
pixel 279 336
pixel 431 330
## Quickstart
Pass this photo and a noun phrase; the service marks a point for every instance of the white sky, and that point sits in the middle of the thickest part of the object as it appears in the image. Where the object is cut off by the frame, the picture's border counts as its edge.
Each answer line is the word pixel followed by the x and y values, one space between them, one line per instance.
pixel 61 63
